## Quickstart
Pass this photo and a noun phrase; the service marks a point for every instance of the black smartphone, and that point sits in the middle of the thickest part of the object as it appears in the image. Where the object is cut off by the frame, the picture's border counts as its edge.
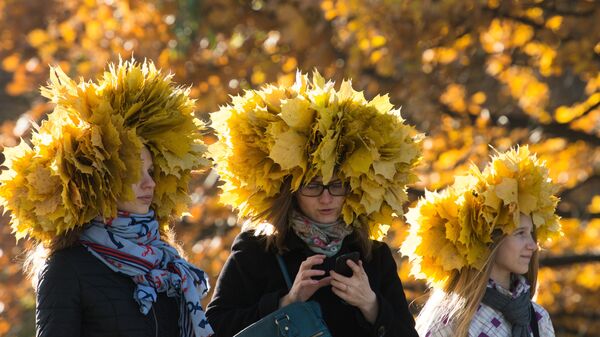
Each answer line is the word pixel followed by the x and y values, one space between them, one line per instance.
pixel 340 263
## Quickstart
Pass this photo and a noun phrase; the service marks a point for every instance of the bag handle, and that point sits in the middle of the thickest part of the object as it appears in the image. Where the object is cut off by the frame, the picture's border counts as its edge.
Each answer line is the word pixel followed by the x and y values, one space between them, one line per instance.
pixel 284 271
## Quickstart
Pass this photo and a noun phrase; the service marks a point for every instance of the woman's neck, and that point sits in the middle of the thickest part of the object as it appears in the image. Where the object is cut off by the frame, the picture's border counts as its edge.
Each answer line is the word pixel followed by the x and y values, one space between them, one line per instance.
pixel 501 277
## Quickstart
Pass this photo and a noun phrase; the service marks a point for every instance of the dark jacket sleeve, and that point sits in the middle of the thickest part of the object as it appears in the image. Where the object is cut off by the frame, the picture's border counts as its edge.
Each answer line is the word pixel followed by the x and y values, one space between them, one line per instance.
pixel 239 299
pixel 393 318
pixel 58 302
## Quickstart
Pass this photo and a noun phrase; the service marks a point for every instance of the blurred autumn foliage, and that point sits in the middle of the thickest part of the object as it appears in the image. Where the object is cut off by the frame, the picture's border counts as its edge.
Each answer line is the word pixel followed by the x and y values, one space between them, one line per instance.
pixel 472 74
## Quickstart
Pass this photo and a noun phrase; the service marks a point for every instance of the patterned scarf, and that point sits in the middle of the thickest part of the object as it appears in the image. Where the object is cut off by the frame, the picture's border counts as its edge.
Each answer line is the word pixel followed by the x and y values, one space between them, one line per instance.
pixel 320 238
pixel 516 309
pixel 131 244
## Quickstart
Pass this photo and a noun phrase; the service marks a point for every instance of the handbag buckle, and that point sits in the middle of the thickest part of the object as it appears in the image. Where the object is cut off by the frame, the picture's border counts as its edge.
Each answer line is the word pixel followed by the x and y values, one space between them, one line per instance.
pixel 284 317
pixel 286 328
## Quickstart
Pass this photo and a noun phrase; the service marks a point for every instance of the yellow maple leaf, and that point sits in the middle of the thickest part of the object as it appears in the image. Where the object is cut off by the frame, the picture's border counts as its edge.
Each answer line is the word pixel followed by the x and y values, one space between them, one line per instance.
pixel 449 258
pixel 507 190
pixel 297 113
pixel 360 160
pixel 288 150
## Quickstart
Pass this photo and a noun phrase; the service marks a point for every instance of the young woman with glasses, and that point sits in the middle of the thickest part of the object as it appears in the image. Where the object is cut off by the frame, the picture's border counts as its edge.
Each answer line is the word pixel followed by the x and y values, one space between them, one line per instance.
pixel 308 226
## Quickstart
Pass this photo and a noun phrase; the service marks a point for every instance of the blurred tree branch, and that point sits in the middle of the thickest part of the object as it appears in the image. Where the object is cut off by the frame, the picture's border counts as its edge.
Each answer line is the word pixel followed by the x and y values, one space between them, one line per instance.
pixel 567 260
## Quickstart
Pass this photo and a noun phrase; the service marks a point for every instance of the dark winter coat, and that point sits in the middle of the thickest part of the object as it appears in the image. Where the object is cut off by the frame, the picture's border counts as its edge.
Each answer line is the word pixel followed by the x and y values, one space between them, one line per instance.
pixel 78 295
pixel 251 285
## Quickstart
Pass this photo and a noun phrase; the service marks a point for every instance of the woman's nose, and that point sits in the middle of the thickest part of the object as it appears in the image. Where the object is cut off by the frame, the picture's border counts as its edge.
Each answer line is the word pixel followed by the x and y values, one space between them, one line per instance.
pixel 325 197
pixel 148 181
pixel 531 244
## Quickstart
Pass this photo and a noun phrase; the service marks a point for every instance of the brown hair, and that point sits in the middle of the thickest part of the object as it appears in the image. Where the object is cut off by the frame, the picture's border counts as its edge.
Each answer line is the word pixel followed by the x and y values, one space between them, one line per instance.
pixel 278 217
pixel 458 300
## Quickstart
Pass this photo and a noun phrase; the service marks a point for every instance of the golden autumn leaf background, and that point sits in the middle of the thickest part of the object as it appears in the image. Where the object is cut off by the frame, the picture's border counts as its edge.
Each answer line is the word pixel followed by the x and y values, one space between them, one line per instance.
pixel 473 75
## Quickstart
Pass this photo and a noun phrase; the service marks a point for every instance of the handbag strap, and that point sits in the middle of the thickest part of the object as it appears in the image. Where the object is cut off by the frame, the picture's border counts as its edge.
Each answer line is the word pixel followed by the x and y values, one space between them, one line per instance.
pixel 284 271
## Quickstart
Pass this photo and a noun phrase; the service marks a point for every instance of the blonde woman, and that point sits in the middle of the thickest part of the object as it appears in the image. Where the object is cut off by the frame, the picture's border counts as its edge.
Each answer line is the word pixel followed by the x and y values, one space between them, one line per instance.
pixel 483 270
pixel 107 170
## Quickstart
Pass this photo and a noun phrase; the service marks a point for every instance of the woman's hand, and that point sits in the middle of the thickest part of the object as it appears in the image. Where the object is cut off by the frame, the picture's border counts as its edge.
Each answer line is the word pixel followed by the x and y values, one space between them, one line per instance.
pixel 356 290
pixel 304 286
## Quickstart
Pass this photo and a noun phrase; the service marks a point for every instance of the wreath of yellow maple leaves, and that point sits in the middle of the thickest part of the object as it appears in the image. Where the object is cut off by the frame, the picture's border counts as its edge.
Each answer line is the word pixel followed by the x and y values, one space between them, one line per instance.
pixel 86 155
pixel 452 229
pixel 311 129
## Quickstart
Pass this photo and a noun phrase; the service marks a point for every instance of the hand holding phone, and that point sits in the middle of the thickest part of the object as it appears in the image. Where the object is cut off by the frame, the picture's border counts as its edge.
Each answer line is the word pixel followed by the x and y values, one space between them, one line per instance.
pixel 341 267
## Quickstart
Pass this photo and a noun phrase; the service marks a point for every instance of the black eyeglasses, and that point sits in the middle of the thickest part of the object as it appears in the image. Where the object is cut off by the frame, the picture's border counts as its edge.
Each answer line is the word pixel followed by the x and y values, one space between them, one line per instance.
pixel 336 188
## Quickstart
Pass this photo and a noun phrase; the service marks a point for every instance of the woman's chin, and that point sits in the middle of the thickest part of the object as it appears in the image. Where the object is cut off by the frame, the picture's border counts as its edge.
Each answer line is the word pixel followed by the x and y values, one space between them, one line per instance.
pixel 135 210
pixel 326 219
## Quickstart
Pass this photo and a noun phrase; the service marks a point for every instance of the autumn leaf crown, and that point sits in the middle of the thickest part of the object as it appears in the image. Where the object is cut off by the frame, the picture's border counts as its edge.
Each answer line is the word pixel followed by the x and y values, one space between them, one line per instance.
pixel 86 155
pixel 452 229
pixel 308 130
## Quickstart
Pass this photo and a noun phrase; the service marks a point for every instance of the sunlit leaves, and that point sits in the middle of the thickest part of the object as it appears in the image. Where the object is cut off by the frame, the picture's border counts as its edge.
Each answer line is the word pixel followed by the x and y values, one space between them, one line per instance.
pixel 575 289
pixel 99 122
pixel 566 114
pixel 10 63
pixel 594 206
pixel 543 57
pixel 37 38
pixel 554 23
pixel 530 93
pixel 470 74
pixel 313 129
pixel 90 30
pixel 505 34
pixel 455 98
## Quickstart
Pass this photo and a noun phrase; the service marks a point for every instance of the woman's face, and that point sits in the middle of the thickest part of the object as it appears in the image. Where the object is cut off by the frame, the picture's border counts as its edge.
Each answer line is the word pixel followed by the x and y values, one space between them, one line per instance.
pixel 515 252
pixel 143 189
pixel 324 208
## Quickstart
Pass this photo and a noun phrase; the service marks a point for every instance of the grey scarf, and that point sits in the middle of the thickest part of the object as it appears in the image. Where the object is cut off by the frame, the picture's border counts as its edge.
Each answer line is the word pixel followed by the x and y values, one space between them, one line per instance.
pixel 517 310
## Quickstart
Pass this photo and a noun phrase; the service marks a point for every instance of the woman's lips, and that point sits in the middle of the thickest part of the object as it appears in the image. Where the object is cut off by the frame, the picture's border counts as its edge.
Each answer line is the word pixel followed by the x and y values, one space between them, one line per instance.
pixel 146 199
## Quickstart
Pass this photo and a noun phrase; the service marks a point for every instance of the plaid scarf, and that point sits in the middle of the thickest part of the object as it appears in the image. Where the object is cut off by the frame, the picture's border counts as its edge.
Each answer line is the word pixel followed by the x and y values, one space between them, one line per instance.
pixel 131 244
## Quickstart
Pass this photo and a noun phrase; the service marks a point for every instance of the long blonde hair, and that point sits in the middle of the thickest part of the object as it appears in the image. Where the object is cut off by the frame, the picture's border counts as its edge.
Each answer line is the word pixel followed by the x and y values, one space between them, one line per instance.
pixel 458 300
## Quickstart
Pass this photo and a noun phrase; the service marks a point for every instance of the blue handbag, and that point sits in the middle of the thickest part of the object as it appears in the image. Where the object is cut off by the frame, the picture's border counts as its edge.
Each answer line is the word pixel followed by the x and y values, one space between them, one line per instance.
pixel 299 319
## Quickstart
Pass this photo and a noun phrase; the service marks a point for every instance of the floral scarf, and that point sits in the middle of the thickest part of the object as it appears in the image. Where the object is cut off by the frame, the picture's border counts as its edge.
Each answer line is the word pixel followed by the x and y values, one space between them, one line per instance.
pixel 131 244
pixel 321 238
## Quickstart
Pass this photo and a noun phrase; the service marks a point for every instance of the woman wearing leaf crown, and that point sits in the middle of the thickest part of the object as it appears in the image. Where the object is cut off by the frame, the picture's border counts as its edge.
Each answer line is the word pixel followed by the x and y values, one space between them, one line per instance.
pixel 95 193
pixel 317 171
pixel 476 244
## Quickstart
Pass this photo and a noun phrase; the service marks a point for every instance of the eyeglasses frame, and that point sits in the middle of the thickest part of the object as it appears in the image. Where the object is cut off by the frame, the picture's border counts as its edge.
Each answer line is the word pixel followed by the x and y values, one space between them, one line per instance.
pixel 323 188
